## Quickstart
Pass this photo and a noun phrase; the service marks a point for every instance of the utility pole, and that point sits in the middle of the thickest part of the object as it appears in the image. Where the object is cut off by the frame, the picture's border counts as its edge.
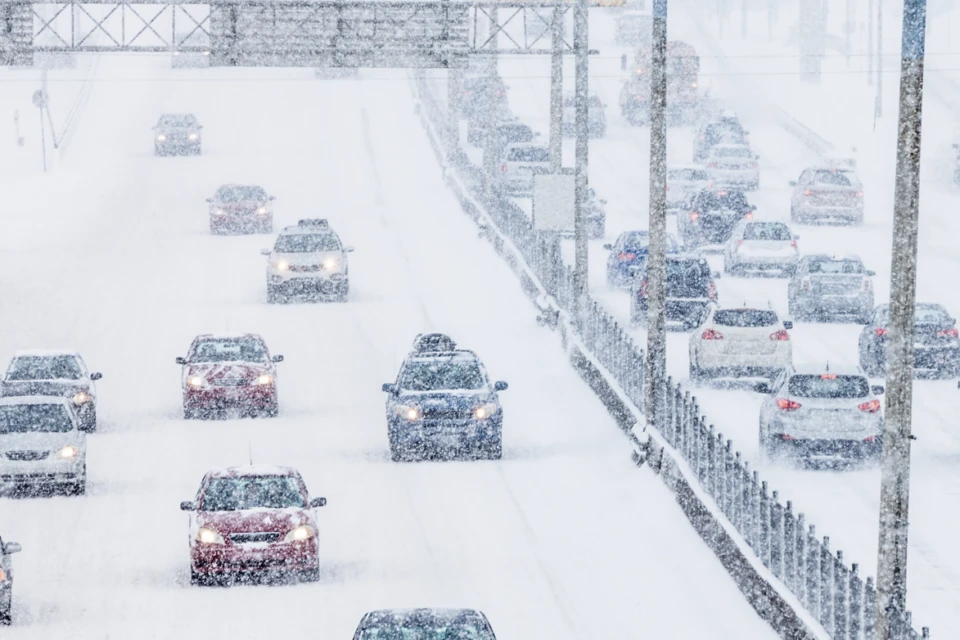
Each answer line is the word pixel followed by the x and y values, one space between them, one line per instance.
pixel 655 393
pixel 454 76
pixel 556 89
pixel 879 58
pixel 581 122
pixel 490 140
pixel 870 44
pixel 848 30
pixel 895 466
pixel 743 19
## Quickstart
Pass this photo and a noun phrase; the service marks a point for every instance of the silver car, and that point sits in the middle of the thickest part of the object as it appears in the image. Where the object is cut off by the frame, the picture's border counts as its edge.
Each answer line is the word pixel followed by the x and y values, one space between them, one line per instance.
pixel 829 287
pixel 827 194
pixel 684 182
pixel 821 411
pixel 307 259
pixel 733 165
pixel 520 163
pixel 761 247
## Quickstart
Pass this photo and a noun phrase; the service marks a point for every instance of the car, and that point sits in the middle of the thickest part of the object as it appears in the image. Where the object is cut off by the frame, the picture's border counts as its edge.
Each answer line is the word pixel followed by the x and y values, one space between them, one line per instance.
pixel 733 165
pixel 229 371
pixel 713 215
pixel 308 259
pixel 734 342
pixel 627 255
pixel 634 101
pixel 54 372
pixel 816 411
pixel 473 96
pixel 198 55
pixel 596 116
pixel 684 182
pixel 761 246
pixel 508 132
pixel 521 161
pixel 245 208
pixel 177 134
pixel 253 521
pixel 7 549
pixel 43 446
pixel 831 287
pixel 724 129
pixel 443 403
pixel 634 29
pixel 827 194
pixel 690 291
pixel 596 217
pixel 936 351
pixel 424 624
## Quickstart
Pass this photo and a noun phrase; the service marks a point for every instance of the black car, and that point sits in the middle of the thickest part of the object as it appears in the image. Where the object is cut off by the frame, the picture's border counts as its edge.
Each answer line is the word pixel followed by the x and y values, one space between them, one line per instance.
pixel 432 624
pixel 177 134
pixel 690 291
pixel 713 215
pixel 936 350
pixel 829 287
pixel 443 403
pixel 6 581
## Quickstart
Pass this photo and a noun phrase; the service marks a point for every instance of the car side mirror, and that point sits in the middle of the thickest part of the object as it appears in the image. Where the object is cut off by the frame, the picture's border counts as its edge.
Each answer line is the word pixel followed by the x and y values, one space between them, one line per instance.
pixel 602 201
pixel 796 237
pixel 265 252
pixel 318 502
pixel 763 387
pixel 752 207
pixel 181 360
pixel 272 198
pixel 276 359
pixel 877 390
pixel 746 133
pixel 96 376
pixel 788 324
pixel 536 135
pixel 348 249
pixel 792 183
pixel 389 387
pixel 188 505
pixel 715 275
pixel 500 385
pixel 11 547
pixel 871 273
pixel 608 247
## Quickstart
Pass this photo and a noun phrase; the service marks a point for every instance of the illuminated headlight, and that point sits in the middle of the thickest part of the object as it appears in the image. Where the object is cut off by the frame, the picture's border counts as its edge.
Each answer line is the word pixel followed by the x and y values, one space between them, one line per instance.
pixel 262 210
pixel 301 533
pixel 80 397
pixel 331 263
pixel 219 212
pixel 209 536
pixel 161 137
pixel 3 575
pixel 196 382
pixel 280 265
pixel 693 85
pixel 206 53
pixel 176 53
pixel 407 412
pixel 484 411
pixel 192 136
pixel 265 379
pixel 68 452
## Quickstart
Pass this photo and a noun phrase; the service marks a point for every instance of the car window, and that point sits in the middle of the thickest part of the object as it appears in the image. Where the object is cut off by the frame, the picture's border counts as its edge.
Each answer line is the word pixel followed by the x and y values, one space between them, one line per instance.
pixel 177 121
pixel 687 270
pixel 924 314
pixel 745 318
pixel 805 176
pixel 441 375
pixel 44 368
pixel 687 174
pixel 252 492
pixel 721 200
pixel 732 152
pixel 828 385
pixel 306 243
pixel 529 154
pixel 34 418
pixel 425 631
pixel 229 350
pixel 238 193
pixel 833 178
pixel 836 266
pixel 767 231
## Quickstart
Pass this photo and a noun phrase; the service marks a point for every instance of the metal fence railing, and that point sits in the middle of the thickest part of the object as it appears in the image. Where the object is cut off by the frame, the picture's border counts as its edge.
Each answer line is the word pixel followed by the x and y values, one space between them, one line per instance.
pixel 831 591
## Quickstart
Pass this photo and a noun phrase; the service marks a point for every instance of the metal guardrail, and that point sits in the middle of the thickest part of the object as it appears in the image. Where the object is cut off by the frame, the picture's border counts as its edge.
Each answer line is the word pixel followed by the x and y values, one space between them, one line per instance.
pixel 832 592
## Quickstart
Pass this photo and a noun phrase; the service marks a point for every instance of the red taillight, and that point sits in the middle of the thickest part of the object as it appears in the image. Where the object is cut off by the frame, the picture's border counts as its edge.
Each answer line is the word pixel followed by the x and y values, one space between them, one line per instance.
pixel 870 407
pixel 805 284
pixel 711 290
pixel 784 436
pixel 952 333
pixel 780 335
pixel 503 168
pixel 712 165
pixel 880 331
pixel 711 334
pixel 859 194
pixel 643 288
pixel 870 439
pixel 793 243
pixel 828 376
pixel 787 404
pixel 807 192
pixel 694 216
pixel 626 256
pixel 668 187
pixel 749 215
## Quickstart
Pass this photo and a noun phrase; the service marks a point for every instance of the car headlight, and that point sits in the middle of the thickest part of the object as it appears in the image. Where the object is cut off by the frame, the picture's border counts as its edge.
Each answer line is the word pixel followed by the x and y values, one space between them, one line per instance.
pixel 192 136
pixel 262 210
pixel 265 379
pixel 331 263
pixel 300 533
pixel 69 451
pixel 207 535
pixel 484 411
pixel 280 265
pixel 80 397
pixel 3 575
pixel 196 382
pixel 409 413
pixel 161 137
pixel 218 212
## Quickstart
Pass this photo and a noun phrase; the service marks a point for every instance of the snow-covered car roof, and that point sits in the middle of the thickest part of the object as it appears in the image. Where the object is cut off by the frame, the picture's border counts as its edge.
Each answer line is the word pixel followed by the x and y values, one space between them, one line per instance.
pixel 754 304
pixel 252 470
pixel 682 167
pixel 832 256
pixel 841 369
pixel 527 145
pixel 404 614
pixel 311 226
pixel 45 353
pixel 15 400
pixel 228 336
pixel 729 145
pixel 433 356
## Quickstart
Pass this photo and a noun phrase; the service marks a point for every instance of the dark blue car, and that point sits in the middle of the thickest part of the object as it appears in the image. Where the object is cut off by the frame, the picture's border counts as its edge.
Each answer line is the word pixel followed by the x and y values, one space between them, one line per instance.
pixel 627 255
pixel 443 404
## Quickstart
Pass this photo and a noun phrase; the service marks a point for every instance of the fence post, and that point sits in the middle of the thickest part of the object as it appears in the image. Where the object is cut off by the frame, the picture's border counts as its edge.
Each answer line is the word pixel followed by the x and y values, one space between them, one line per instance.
pixel 755 508
pixel 789 548
pixel 776 535
pixel 813 572
pixel 869 610
pixel 855 616
pixel 764 550
pixel 826 586
pixel 709 469
pixel 801 559
pixel 737 492
pixel 841 581
pixel 728 467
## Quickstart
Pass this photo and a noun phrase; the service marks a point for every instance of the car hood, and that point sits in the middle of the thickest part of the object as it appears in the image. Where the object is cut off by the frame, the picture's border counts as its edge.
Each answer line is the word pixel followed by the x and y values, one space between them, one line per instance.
pixel 217 370
pixel 306 257
pixel 254 520
pixel 173 129
pixel 65 388
pixel 45 441
pixel 447 399
pixel 237 204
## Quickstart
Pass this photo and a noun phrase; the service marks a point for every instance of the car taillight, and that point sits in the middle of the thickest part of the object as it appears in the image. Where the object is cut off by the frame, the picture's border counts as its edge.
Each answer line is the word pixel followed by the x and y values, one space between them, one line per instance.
pixel 748 215
pixel 870 439
pixel 879 331
pixel 712 165
pixel 503 168
pixel 694 216
pixel 952 333
pixel 805 284
pixel 643 288
pixel 711 334
pixel 787 405
pixel 859 194
pixel 711 290
pixel 807 192
pixel 793 243
pixel 626 256
pixel 668 187
pixel 739 242
pixel 870 407
pixel 780 335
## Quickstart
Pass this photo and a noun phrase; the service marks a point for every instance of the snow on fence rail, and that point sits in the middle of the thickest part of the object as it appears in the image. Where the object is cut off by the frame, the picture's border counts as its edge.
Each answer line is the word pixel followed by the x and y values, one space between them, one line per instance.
pixel 831 592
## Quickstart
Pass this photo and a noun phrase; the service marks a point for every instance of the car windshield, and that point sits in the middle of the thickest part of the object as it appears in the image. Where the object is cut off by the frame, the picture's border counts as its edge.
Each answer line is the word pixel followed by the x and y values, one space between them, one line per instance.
pixel 721 200
pixel 516 133
pixel 687 175
pixel 723 131
pixel 229 350
pixel 836 266
pixel 767 231
pixel 687 271
pixel 44 368
pixel 441 374
pixel 306 243
pixel 829 385
pixel 424 631
pixel 252 492
pixel 237 193
pixel 833 178
pixel 745 318
pixel 639 241
pixel 34 418
pixel 732 152
pixel 177 121
pixel 924 314
pixel 529 154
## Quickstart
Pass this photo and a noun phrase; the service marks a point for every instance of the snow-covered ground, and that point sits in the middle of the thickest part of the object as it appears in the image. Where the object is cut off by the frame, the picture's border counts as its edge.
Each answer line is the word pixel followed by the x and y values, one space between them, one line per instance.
pixel 110 254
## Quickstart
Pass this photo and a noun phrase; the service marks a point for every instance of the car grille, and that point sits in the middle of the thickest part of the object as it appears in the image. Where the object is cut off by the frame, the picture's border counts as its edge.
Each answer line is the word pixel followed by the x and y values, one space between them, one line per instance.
pixel 306 267
pixel 27 455
pixel 241 538
pixel 447 414
pixel 229 382
pixel 838 288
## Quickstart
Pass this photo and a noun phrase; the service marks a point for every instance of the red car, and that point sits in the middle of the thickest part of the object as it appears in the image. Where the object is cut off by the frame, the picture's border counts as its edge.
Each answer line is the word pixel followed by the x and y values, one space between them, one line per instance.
pixel 229 372
pixel 253 521
pixel 242 209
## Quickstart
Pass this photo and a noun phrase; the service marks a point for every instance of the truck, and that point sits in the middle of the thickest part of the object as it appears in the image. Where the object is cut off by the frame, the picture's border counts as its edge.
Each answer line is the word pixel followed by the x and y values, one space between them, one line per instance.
pixel 683 82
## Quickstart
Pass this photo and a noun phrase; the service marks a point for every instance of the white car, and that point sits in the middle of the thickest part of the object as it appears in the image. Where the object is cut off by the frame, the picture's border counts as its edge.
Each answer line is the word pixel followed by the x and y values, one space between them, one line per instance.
pixel 307 258
pixel 733 165
pixel 761 246
pixel 733 342
pixel 41 445
pixel 596 116
pixel 683 182
pixel 521 161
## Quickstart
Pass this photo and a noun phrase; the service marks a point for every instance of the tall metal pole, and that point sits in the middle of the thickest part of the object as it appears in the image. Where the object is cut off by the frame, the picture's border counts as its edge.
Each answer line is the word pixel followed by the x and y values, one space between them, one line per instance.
pixel 581 104
pixel 879 58
pixel 895 466
pixel 743 18
pixel 870 43
pixel 657 254
pixel 453 112
pixel 490 139
pixel 556 90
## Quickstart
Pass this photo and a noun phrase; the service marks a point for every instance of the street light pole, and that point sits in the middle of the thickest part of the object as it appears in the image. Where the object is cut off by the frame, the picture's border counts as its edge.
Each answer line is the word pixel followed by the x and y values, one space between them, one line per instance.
pixel 556 89
pixel 895 466
pixel 581 51
pixel 490 140
pixel 879 58
pixel 655 392
pixel 870 43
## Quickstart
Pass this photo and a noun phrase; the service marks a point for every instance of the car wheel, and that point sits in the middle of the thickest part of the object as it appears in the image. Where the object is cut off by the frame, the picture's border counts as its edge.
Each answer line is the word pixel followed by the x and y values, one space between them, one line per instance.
pixel 79 487
pixel 493 450
pixel 766 449
pixel 90 423
pixel 310 575
pixel 864 318
pixel 343 292
pixel 190 414
pixel 270 411
pixel 793 214
pixel 267 227
pixel 871 366
pixel 273 294
pixel 6 614
pixel 199 579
